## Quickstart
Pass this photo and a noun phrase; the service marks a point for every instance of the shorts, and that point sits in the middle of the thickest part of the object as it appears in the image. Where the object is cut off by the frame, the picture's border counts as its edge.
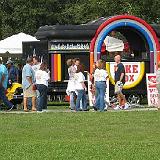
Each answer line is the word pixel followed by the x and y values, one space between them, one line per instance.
pixel 158 88
pixel 118 87
pixel 29 92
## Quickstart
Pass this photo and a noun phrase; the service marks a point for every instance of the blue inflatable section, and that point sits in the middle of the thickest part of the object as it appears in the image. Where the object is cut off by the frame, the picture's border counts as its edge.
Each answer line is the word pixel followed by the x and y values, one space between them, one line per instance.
pixel 121 24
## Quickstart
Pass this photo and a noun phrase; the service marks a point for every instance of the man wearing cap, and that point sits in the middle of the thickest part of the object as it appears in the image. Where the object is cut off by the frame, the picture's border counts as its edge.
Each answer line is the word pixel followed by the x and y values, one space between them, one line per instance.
pixel 3 85
pixel 12 71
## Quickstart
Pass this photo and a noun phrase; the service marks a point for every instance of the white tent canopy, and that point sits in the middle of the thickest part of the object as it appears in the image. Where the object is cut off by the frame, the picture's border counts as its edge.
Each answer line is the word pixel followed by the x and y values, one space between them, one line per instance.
pixel 13 44
pixel 113 44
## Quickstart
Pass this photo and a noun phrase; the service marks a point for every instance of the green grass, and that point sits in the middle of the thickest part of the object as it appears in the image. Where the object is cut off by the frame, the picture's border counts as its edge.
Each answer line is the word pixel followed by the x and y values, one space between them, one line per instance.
pixel 86 136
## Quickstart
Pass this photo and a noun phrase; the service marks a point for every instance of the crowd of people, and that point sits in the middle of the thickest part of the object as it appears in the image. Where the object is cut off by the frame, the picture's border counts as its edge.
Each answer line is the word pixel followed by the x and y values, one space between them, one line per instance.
pixel 34 77
pixel 77 89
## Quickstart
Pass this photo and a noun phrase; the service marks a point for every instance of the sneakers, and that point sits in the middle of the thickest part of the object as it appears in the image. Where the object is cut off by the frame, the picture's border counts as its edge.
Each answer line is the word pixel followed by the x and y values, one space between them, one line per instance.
pixel 11 108
pixel 126 106
pixel 117 107
pixel 95 109
pixel 39 111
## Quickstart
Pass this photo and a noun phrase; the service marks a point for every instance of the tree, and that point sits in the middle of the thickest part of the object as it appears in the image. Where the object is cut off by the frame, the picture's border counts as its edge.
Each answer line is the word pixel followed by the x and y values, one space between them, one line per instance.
pixel 27 16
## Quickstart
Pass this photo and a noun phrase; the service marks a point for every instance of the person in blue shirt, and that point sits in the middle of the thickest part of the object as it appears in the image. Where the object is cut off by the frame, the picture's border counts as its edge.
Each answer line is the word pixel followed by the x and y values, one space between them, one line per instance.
pixel 3 85
pixel 13 74
pixel 28 80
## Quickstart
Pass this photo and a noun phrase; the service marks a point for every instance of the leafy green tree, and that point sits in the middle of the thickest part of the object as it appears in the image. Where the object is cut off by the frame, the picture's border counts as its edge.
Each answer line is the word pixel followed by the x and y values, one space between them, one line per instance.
pixel 28 15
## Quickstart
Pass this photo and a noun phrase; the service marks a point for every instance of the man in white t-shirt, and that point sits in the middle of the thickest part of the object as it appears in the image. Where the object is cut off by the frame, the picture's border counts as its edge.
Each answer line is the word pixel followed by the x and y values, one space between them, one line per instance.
pixel 77 62
pixel 36 64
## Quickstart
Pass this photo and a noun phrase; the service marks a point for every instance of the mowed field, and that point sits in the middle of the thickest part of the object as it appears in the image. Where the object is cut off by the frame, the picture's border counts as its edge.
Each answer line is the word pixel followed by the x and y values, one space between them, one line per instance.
pixel 121 135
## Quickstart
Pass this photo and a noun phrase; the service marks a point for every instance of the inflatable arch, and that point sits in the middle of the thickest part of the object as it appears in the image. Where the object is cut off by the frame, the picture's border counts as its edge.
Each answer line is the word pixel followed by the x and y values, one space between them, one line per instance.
pixel 125 21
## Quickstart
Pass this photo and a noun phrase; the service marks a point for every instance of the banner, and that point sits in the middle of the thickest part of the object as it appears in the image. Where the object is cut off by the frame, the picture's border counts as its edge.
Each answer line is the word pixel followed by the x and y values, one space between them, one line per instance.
pixel 152 92
pixel 134 73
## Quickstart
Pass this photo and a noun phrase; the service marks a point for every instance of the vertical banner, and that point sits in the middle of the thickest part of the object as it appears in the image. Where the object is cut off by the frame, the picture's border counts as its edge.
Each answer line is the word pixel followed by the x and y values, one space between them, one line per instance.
pixel 59 66
pixel 55 67
pixel 90 95
pixel 152 92
pixel 52 67
pixel 107 93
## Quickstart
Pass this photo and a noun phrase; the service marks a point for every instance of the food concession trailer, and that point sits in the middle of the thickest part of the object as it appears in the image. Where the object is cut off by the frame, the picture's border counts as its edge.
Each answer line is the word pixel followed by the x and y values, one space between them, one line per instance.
pixel 61 42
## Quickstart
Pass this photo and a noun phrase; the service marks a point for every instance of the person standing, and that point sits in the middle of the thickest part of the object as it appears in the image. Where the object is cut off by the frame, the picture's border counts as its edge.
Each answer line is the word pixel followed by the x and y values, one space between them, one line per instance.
pixel 12 72
pixel 77 62
pixel 20 73
pixel 100 77
pixel 158 84
pixel 80 88
pixel 42 78
pixel 3 86
pixel 28 85
pixel 71 84
pixel 119 82
pixel 36 64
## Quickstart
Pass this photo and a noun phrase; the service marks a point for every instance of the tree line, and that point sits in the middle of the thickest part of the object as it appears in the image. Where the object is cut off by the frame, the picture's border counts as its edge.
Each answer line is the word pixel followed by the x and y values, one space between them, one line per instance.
pixel 28 15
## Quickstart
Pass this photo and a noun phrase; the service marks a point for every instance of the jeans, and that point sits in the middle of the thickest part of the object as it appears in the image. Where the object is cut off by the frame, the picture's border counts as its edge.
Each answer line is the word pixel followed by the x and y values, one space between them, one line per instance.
pixel 72 98
pixel 100 95
pixel 42 102
pixel 4 98
pixel 81 96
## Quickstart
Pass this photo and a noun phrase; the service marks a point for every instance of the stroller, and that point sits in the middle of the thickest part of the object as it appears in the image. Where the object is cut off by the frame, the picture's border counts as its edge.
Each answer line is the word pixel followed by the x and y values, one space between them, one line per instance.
pixel 14 94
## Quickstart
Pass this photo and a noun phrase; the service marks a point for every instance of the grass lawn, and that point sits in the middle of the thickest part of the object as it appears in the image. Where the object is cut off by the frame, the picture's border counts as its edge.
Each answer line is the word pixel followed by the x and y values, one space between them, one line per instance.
pixel 87 136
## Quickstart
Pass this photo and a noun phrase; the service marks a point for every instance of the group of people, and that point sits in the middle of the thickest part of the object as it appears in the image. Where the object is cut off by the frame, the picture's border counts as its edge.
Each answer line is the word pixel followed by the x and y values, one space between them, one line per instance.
pixel 77 89
pixel 76 85
pixel 35 78
pixel 9 74
pixel 100 76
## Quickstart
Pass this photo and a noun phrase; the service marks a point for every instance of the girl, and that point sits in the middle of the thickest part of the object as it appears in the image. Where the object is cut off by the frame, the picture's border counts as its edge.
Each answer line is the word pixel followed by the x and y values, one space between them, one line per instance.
pixel 100 77
pixel 71 85
pixel 80 88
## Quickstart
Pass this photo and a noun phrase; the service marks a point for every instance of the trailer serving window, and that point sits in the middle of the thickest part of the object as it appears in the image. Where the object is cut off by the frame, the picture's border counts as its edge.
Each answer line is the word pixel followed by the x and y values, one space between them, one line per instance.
pixel 135 46
pixel 60 52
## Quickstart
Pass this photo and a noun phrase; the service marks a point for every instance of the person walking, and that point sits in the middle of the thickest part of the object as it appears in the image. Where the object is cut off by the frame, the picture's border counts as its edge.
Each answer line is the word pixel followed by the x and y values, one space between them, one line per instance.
pixel 3 86
pixel 80 88
pixel 71 83
pixel 28 85
pixel 119 82
pixel 42 78
pixel 100 76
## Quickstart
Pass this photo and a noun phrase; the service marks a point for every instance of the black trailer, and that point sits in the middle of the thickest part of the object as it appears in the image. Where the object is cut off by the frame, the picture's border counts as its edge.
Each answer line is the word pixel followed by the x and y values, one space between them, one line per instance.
pixel 73 41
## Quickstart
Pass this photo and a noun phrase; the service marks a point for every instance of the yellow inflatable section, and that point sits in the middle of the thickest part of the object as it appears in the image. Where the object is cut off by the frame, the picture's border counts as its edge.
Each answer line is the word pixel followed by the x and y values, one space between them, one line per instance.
pixel 11 91
pixel 139 79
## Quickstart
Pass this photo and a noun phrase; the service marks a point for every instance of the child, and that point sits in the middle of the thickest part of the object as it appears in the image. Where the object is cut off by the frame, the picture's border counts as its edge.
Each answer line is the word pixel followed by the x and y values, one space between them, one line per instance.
pixel 71 85
pixel 80 88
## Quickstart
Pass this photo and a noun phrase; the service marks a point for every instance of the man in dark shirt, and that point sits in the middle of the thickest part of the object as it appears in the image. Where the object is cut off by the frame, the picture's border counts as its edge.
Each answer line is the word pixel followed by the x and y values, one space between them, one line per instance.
pixel 119 82
pixel 12 71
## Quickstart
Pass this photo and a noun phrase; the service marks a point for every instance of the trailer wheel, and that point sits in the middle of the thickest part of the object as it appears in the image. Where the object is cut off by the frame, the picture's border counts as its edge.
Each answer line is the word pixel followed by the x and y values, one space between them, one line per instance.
pixel 134 99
